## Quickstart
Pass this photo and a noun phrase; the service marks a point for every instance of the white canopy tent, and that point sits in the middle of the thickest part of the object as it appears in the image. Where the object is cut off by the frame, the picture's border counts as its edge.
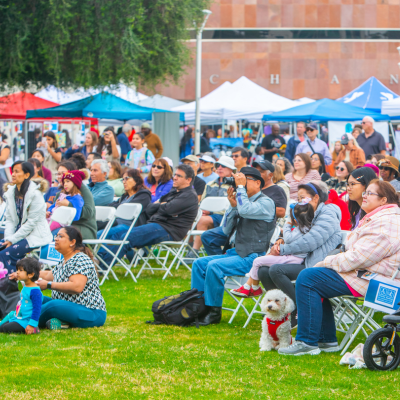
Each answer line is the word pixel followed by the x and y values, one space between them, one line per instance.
pixel 391 107
pixel 304 100
pixel 162 102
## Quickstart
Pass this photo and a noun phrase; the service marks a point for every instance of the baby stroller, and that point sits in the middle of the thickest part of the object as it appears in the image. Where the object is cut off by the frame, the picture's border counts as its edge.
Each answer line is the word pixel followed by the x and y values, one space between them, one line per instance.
pixel 382 348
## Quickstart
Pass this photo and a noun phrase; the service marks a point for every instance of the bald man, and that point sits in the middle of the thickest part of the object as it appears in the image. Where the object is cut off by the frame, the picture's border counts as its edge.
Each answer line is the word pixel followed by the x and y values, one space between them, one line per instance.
pixel 371 141
pixel 272 143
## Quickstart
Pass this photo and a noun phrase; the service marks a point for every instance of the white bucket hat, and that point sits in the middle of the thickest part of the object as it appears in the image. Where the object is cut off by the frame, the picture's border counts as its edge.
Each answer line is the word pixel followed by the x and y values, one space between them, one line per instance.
pixel 227 162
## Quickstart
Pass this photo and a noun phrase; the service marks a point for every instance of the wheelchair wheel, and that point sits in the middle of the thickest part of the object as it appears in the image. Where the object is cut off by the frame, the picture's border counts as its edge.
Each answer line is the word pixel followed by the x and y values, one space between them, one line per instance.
pixel 379 354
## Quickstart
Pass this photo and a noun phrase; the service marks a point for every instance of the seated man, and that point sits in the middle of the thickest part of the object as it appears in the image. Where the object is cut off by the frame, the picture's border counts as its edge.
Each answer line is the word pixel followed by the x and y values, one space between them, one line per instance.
pixel 170 218
pixel 198 183
pixel 249 225
pixel 102 192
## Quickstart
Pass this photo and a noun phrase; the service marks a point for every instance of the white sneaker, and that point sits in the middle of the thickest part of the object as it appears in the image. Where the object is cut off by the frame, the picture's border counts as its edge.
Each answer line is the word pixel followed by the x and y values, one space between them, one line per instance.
pixel 300 349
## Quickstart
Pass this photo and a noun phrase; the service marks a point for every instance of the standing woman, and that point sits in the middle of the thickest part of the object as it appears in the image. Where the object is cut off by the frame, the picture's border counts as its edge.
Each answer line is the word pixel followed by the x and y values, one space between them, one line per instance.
pixel 54 155
pixel 39 155
pixel 90 146
pixel 318 164
pixel 339 183
pixel 108 147
pixel 139 157
pixel 302 174
pixel 159 181
pixel 186 145
pixel 26 226
pixel 4 155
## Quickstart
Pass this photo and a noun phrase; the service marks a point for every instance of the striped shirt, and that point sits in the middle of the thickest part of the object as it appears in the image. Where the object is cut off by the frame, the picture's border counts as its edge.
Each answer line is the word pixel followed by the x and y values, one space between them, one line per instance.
pixel 312 175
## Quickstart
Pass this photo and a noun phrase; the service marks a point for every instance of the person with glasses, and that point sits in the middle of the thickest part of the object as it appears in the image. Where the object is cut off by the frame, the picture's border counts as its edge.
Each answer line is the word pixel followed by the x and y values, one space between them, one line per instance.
pixel 351 152
pixel 240 156
pixel 371 141
pixel 373 247
pixel 358 181
pixel 207 166
pixel 159 181
pixel 389 171
pixel 339 182
pixel 169 219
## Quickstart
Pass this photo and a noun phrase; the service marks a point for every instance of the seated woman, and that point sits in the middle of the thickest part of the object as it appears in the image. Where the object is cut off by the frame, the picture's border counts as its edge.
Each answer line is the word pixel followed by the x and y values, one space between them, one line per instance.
pixel 323 236
pixel 374 246
pixel 37 166
pixel 115 178
pixel 159 181
pixel 54 154
pixel 90 146
pixel 76 300
pixel 339 183
pixel 302 174
pixel 318 164
pixel 389 171
pixel 39 155
pixel 284 164
pixel 26 226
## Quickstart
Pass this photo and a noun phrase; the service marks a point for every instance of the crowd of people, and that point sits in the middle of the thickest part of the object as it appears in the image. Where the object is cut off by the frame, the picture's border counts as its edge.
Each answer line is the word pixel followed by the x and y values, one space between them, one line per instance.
pixel 308 192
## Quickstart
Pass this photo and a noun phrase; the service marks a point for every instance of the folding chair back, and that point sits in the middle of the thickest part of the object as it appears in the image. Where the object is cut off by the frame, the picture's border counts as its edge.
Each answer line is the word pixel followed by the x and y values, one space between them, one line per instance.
pixel 63 215
pixel 104 214
pixel 214 204
pixel 128 211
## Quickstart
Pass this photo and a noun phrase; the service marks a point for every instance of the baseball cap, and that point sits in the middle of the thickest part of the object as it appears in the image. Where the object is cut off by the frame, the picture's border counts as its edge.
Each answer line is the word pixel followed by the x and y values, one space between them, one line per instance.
pixel 255 173
pixel 169 161
pixel 190 157
pixel 312 126
pixel 145 125
pixel 227 162
pixel 346 138
pixel 265 165
pixel 207 159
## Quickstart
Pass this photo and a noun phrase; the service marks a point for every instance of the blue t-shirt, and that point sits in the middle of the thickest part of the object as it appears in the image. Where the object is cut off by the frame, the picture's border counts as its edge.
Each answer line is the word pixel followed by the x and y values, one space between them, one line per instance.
pixel 50 196
pixel 30 306
pixel 208 178
pixel 123 142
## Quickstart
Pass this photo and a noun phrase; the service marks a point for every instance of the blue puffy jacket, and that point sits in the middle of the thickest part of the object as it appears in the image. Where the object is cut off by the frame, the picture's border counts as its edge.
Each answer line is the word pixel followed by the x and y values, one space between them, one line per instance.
pixel 161 189
pixel 291 147
pixel 323 237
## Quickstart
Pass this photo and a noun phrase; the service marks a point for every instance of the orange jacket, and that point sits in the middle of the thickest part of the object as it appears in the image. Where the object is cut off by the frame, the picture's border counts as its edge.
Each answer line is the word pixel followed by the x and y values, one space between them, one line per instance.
pixel 357 157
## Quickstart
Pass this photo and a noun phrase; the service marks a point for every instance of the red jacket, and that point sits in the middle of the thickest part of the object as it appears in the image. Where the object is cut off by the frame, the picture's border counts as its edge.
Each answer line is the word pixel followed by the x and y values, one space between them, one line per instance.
pixel 333 198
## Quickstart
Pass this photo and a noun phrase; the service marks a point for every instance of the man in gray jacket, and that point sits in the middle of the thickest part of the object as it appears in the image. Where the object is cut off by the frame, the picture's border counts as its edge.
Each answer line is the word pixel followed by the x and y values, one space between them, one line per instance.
pixel 249 225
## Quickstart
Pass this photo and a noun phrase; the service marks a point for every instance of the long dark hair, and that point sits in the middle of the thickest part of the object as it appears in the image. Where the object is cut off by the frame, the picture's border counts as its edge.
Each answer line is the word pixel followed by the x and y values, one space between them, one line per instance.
pixel 321 169
pixel 363 175
pixel 75 234
pixel 27 168
pixel 135 175
pixel 38 164
pixel 102 143
pixel 303 214
pixel 51 134
pixel 186 137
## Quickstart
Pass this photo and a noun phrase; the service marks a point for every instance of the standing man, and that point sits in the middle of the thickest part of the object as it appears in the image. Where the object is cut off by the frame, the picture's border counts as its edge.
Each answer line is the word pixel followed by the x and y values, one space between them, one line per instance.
pixel 272 143
pixel 294 141
pixel 123 141
pixel 371 141
pixel 152 140
pixel 240 155
pixel 314 145
pixel 198 183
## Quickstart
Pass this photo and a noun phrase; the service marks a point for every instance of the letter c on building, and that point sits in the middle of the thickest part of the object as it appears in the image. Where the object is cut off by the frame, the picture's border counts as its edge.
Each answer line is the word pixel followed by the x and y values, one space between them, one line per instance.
pixel 212 79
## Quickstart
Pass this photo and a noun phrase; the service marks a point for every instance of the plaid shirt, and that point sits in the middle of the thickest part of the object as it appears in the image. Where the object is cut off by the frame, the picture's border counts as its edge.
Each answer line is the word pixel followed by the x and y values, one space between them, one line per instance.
pixel 375 246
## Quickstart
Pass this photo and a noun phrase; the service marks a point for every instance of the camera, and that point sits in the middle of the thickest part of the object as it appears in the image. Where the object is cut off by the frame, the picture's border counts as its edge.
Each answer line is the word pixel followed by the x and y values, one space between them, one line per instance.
pixel 229 181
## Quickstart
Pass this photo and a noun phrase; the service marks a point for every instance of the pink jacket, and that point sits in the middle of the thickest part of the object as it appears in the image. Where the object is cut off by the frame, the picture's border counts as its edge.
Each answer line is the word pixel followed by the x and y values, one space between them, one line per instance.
pixel 374 246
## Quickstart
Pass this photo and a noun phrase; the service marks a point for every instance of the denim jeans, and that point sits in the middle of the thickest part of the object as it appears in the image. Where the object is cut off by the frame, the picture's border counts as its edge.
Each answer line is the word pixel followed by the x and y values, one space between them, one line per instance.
pixel 316 322
pixel 208 273
pixel 213 241
pixel 144 235
pixel 77 315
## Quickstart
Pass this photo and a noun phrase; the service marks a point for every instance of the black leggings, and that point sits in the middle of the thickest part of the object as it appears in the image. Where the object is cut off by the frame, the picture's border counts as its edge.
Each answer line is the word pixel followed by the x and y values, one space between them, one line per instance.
pixel 280 276
pixel 12 327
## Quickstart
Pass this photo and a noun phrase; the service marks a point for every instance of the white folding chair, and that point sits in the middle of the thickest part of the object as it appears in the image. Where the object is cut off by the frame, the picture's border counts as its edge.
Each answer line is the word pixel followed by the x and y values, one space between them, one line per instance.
pixel 130 212
pixel 176 249
pixel 63 215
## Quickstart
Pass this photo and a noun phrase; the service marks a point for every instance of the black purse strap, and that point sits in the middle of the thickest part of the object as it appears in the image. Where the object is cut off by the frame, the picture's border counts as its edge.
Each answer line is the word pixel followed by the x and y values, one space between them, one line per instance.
pixel 312 148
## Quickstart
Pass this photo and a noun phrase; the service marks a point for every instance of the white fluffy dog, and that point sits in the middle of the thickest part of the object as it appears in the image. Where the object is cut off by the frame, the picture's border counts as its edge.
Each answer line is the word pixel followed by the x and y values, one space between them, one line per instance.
pixel 276 325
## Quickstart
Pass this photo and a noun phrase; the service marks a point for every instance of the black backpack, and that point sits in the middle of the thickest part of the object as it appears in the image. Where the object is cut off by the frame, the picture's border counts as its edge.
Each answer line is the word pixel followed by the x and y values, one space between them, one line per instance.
pixel 181 309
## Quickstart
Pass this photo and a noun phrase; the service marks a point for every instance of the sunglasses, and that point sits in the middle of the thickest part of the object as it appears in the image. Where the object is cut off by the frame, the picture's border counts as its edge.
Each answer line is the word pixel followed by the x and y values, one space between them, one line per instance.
pixel 157 166
pixel 385 168
pixel 126 178
pixel 235 155
pixel 339 169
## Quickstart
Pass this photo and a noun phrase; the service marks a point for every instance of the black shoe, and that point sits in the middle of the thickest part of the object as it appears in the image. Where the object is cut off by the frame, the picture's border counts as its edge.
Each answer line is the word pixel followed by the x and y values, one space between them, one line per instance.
pixel 293 319
pixel 212 317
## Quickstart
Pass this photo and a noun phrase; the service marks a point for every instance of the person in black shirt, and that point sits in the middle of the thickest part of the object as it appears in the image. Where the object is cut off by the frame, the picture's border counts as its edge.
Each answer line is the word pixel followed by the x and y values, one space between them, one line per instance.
pixel 272 143
pixel 371 141
pixel 276 193
pixel 198 183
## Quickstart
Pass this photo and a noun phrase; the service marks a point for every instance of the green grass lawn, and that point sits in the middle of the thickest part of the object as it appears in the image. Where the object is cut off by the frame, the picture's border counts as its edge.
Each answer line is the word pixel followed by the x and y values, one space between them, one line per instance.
pixel 129 359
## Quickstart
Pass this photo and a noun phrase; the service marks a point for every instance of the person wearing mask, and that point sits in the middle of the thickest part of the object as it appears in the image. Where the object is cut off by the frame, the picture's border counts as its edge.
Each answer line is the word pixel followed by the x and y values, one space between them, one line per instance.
pixel 318 164
pixel 102 192
pixel 152 140
pixel 108 147
pixel 302 174
pixel 115 178
pixel 249 225
pixel 339 182
pixel 371 141
pixel 207 165
pixel 26 227
pixel 225 168
pixel 123 141
pixel 389 171
pixel 90 158
pixel 272 143
pixel 159 181
pixel 54 154
pixel 276 193
pixel 198 183
pixel 89 146
pixel 351 152
pixel 294 141
pixel 240 155
pixel 187 143
pixel 313 145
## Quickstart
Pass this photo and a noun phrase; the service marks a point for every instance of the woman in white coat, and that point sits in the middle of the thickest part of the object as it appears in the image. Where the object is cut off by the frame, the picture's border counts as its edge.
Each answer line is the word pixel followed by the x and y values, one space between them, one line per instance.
pixel 26 226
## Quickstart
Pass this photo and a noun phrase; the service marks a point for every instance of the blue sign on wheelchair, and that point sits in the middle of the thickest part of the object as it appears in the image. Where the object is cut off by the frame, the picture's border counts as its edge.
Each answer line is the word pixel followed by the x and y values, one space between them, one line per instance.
pixel 383 295
pixel 386 295
pixel 49 255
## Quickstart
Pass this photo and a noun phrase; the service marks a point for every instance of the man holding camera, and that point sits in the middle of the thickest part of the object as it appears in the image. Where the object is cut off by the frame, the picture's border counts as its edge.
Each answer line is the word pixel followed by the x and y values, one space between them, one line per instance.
pixel 249 225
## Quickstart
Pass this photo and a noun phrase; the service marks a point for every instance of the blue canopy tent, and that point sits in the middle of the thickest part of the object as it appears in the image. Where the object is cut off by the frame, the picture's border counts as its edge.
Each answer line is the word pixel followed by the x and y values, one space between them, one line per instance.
pixel 103 105
pixel 369 95
pixel 324 110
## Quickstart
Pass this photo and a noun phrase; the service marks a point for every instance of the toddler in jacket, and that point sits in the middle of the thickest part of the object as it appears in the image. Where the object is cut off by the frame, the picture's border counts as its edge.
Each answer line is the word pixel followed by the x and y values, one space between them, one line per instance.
pixel 70 194
pixel 26 317
pixel 299 224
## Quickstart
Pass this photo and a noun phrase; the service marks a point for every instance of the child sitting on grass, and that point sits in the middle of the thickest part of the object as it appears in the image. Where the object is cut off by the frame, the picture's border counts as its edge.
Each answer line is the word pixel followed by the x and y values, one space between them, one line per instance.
pixel 26 317
pixel 302 215
pixel 70 194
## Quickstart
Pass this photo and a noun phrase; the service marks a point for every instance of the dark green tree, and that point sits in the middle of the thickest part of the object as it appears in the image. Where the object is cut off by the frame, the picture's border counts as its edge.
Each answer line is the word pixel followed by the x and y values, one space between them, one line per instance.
pixel 95 42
